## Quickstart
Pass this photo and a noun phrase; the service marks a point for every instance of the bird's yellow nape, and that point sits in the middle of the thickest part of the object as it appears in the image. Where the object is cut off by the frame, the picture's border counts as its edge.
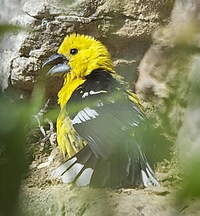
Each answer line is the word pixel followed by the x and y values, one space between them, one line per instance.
pixel 85 54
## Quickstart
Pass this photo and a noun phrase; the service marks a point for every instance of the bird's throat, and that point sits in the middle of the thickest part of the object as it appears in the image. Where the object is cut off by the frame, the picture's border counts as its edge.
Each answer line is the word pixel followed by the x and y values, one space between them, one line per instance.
pixel 69 86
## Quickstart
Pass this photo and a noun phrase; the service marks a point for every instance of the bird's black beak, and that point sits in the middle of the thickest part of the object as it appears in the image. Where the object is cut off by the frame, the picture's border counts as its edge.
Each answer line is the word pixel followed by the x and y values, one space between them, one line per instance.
pixel 56 64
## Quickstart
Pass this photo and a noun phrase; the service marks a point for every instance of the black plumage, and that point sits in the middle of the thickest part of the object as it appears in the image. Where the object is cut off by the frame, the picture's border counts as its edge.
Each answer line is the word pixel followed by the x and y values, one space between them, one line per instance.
pixel 103 115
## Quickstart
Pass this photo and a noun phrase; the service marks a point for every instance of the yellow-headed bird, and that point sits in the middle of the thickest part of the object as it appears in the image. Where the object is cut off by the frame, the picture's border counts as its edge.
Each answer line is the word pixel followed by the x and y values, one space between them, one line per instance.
pixel 97 106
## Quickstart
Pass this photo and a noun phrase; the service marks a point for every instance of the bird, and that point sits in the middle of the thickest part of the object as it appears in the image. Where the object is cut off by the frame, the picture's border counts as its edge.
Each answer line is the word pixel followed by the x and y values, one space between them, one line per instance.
pixel 98 109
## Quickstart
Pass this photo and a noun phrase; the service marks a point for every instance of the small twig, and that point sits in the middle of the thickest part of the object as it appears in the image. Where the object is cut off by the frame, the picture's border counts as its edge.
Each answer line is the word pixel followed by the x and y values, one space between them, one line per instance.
pixel 39 115
pixel 50 124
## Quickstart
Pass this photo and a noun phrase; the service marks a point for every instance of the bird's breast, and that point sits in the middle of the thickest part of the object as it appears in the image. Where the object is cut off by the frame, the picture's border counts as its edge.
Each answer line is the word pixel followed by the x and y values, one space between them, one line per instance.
pixel 67 90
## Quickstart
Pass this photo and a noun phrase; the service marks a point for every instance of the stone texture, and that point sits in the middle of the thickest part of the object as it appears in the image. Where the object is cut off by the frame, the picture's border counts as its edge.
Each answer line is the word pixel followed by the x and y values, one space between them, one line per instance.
pixel 123 26
pixel 10 12
pixel 167 76
pixel 10 9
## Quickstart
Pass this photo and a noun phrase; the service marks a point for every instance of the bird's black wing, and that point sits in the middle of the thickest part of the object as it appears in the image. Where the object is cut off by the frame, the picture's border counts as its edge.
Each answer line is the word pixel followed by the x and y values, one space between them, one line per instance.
pixel 102 114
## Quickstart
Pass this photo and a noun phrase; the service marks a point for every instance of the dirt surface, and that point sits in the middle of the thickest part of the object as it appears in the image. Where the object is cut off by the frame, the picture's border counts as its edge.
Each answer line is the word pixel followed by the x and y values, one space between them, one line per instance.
pixel 61 199
pixel 43 195
pixel 66 200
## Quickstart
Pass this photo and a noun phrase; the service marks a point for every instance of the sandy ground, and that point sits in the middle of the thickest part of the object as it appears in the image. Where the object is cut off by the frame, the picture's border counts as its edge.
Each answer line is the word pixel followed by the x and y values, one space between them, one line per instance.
pixel 67 200
pixel 42 195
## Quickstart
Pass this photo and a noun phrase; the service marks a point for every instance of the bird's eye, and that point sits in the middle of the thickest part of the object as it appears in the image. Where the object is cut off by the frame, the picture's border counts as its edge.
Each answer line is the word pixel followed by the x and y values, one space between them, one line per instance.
pixel 74 51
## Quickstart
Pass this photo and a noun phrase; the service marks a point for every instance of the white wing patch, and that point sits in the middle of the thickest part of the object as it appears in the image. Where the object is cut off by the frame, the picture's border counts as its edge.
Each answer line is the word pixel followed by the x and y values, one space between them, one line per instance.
pixel 91 112
pixel 86 94
pixel 97 92
pixel 85 115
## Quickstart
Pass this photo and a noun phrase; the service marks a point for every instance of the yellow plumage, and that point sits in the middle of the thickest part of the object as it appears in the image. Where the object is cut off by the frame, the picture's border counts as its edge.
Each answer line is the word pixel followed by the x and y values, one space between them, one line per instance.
pixel 92 55
pixel 66 135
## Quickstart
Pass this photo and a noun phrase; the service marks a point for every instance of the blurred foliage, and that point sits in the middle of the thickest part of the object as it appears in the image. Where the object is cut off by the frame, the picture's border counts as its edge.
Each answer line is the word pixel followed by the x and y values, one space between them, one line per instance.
pixel 188 142
pixel 16 117
pixel 190 187
pixel 16 121
pixel 5 28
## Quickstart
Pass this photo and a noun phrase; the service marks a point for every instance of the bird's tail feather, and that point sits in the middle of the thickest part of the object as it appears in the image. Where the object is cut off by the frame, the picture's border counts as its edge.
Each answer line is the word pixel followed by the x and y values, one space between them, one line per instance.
pixel 140 171
pixel 77 169
pixel 85 168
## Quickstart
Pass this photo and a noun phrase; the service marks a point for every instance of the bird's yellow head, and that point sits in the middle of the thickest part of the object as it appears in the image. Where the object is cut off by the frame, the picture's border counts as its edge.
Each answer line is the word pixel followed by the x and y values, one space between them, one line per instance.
pixel 85 54
pixel 77 57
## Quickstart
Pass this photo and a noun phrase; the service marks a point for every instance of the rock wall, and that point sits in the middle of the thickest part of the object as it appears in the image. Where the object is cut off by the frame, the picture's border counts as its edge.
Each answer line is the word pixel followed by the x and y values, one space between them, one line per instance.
pixel 124 26
pixel 168 73
pixel 10 9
